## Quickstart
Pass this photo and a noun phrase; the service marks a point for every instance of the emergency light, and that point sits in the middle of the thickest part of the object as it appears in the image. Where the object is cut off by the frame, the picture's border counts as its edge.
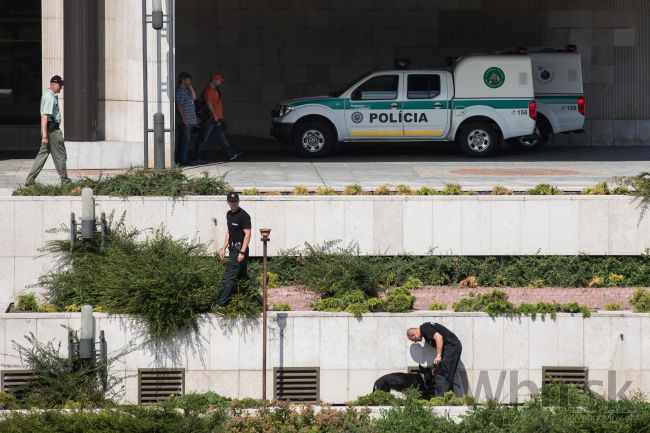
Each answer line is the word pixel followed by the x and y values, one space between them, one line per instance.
pixel 402 63
pixel 572 48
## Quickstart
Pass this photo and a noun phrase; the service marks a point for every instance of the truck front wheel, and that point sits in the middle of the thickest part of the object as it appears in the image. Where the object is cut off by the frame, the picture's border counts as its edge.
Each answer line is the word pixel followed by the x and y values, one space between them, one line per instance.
pixel 313 139
pixel 478 140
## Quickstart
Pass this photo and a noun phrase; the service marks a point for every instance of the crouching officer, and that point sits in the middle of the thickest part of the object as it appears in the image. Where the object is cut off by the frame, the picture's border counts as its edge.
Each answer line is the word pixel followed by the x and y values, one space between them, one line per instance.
pixel 448 350
pixel 237 240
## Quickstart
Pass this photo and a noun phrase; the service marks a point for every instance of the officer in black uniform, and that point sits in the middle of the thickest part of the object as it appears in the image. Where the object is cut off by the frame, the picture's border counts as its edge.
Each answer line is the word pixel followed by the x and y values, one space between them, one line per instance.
pixel 237 240
pixel 448 350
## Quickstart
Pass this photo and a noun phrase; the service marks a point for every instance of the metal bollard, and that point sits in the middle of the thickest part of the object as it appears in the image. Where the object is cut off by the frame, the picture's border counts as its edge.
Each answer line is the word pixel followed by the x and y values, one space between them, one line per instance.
pixel 87 213
pixel 87 334
pixel 159 141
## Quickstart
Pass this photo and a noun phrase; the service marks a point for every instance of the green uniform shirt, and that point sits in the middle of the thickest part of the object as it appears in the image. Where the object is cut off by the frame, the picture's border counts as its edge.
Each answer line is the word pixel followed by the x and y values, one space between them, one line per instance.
pixel 50 105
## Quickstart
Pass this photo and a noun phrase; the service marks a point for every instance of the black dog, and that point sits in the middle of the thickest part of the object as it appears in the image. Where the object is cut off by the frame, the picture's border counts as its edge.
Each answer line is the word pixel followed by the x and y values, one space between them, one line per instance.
pixel 423 381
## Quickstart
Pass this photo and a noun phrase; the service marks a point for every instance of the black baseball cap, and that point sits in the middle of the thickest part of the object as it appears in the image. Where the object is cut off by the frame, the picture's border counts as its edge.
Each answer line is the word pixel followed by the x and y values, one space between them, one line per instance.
pixel 56 79
pixel 232 196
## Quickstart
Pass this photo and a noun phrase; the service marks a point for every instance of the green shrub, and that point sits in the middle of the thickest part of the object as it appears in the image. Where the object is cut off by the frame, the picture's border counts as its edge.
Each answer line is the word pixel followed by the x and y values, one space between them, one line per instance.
pixel 614 280
pixel 324 190
pixel 449 399
pixel 501 190
pixel 399 300
pixel 198 402
pixel 27 302
pixel 250 191
pixel 352 297
pixel 136 182
pixel 245 303
pixel 272 279
pixel 452 189
pixel 328 304
pixel 353 189
pixel 357 309
pixel 612 307
pixel 425 190
pixel 7 401
pixel 437 306
pixel 494 303
pixel 640 300
pixel 383 190
pixel 403 189
pixel 599 189
pixel 639 187
pixel 470 282
pixel 300 190
pixel 596 282
pixel 375 305
pixel 537 283
pixel 376 398
pixel 281 307
pixel 412 283
pixel 544 189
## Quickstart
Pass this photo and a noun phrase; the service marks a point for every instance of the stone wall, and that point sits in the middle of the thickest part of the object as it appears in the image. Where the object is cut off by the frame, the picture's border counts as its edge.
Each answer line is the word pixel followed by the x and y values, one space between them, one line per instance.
pixel 462 225
pixel 502 358
pixel 271 50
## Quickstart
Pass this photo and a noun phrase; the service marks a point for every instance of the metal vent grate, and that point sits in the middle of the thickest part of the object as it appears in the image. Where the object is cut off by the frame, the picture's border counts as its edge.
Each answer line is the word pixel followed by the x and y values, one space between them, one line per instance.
pixel 16 381
pixel 567 375
pixel 158 384
pixel 297 384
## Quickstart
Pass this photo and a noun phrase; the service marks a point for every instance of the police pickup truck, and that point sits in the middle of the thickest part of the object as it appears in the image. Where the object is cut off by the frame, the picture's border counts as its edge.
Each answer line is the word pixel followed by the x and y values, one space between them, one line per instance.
pixel 557 80
pixel 476 103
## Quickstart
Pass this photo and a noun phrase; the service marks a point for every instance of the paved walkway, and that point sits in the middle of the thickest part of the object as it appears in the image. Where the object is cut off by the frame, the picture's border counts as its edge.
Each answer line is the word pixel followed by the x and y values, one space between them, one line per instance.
pixel 269 164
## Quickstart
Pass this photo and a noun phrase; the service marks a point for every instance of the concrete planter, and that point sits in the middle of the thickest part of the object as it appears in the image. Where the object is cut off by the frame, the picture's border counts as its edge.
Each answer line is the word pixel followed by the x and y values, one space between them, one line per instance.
pixel 464 225
pixel 502 358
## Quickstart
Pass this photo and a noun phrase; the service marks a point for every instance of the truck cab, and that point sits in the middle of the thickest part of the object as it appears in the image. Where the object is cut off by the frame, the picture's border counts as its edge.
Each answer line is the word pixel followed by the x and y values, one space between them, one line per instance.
pixel 478 101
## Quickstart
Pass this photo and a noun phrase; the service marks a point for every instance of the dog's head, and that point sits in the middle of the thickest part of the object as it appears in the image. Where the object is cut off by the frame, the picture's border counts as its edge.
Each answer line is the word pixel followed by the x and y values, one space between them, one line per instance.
pixel 427 376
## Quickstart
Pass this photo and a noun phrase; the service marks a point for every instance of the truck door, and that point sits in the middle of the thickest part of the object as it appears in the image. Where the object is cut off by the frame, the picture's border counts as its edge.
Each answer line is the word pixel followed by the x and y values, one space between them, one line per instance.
pixel 372 111
pixel 425 110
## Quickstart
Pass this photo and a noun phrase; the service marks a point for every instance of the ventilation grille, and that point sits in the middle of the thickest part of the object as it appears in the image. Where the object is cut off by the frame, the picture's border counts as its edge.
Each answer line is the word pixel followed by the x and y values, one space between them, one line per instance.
pixel 15 382
pixel 296 384
pixel 566 375
pixel 159 384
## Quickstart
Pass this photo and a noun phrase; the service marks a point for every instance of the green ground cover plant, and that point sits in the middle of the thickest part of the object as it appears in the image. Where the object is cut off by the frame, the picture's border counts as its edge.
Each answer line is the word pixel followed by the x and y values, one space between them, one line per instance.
pixel 136 182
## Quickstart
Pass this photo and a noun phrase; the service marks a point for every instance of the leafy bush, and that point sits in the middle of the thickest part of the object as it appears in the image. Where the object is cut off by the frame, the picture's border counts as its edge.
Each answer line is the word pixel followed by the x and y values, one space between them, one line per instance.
pixel 639 187
pixel 412 283
pixel 328 304
pixel 437 306
pixel 403 189
pixel 399 300
pixel 537 283
pixel 300 190
pixel 281 307
pixel 612 307
pixel 640 300
pixel 198 402
pixel 272 279
pixel 425 190
pixel 599 189
pixel 596 282
pixel 449 399
pixel 354 189
pixel 614 280
pixel 544 189
pixel 7 401
pixel 273 192
pixel 469 282
pixel 383 190
pixel 136 182
pixel 250 191
pixel 501 190
pixel 27 302
pixel 324 190
pixel 452 189
pixel 376 398
pixel 166 283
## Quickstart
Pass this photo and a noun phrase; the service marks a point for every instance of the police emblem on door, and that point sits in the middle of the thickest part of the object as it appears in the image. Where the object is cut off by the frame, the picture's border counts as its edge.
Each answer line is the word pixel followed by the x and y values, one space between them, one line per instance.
pixel 357 117
pixel 544 75
pixel 494 77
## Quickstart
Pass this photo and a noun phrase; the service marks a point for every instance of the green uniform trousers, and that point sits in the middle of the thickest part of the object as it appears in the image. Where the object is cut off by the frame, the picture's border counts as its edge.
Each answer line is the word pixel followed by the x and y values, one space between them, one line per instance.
pixel 234 271
pixel 56 147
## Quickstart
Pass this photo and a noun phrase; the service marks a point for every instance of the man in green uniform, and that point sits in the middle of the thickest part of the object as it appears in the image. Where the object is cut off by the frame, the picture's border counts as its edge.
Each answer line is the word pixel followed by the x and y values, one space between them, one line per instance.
pixel 51 135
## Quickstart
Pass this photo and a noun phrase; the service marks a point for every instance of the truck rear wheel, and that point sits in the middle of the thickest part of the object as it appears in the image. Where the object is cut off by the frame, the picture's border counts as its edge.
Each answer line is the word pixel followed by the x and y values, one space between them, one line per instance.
pixel 536 140
pixel 478 140
pixel 313 138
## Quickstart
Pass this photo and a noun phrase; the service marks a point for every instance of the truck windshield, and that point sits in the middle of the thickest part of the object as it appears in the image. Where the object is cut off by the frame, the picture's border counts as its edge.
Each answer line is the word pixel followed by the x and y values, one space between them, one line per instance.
pixel 338 92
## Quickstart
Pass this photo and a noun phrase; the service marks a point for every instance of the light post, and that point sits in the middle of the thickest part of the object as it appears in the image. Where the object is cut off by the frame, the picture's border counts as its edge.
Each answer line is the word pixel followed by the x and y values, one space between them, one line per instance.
pixel 265 240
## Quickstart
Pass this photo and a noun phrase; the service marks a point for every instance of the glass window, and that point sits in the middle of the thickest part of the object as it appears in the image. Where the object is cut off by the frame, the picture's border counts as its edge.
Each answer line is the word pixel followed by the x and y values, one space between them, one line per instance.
pixel 380 88
pixel 422 86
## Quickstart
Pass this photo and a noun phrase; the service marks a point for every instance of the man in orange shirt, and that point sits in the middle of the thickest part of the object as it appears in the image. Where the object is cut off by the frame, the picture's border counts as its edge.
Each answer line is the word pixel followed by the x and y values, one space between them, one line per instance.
pixel 212 97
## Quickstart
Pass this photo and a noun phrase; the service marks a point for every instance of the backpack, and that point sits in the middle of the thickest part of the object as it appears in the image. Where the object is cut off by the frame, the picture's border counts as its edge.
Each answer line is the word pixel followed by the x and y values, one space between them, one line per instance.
pixel 202 110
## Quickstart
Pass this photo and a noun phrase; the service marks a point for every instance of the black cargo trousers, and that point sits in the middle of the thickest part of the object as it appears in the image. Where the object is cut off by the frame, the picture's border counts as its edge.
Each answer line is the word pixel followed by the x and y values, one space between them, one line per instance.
pixel 233 272
pixel 444 380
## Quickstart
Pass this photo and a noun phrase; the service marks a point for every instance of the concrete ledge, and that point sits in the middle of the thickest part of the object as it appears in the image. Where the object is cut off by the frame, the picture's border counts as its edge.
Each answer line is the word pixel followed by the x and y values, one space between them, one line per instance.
pixel 101 155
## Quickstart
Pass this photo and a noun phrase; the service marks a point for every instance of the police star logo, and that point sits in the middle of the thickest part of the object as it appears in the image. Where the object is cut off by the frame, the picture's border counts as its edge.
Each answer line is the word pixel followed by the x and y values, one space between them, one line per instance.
pixel 494 77
pixel 544 74
pixel 357 117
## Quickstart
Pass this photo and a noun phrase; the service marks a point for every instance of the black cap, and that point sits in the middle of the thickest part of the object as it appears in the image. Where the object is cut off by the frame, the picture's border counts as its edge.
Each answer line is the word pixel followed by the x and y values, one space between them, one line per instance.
pixel 233 196
pixel 56 79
